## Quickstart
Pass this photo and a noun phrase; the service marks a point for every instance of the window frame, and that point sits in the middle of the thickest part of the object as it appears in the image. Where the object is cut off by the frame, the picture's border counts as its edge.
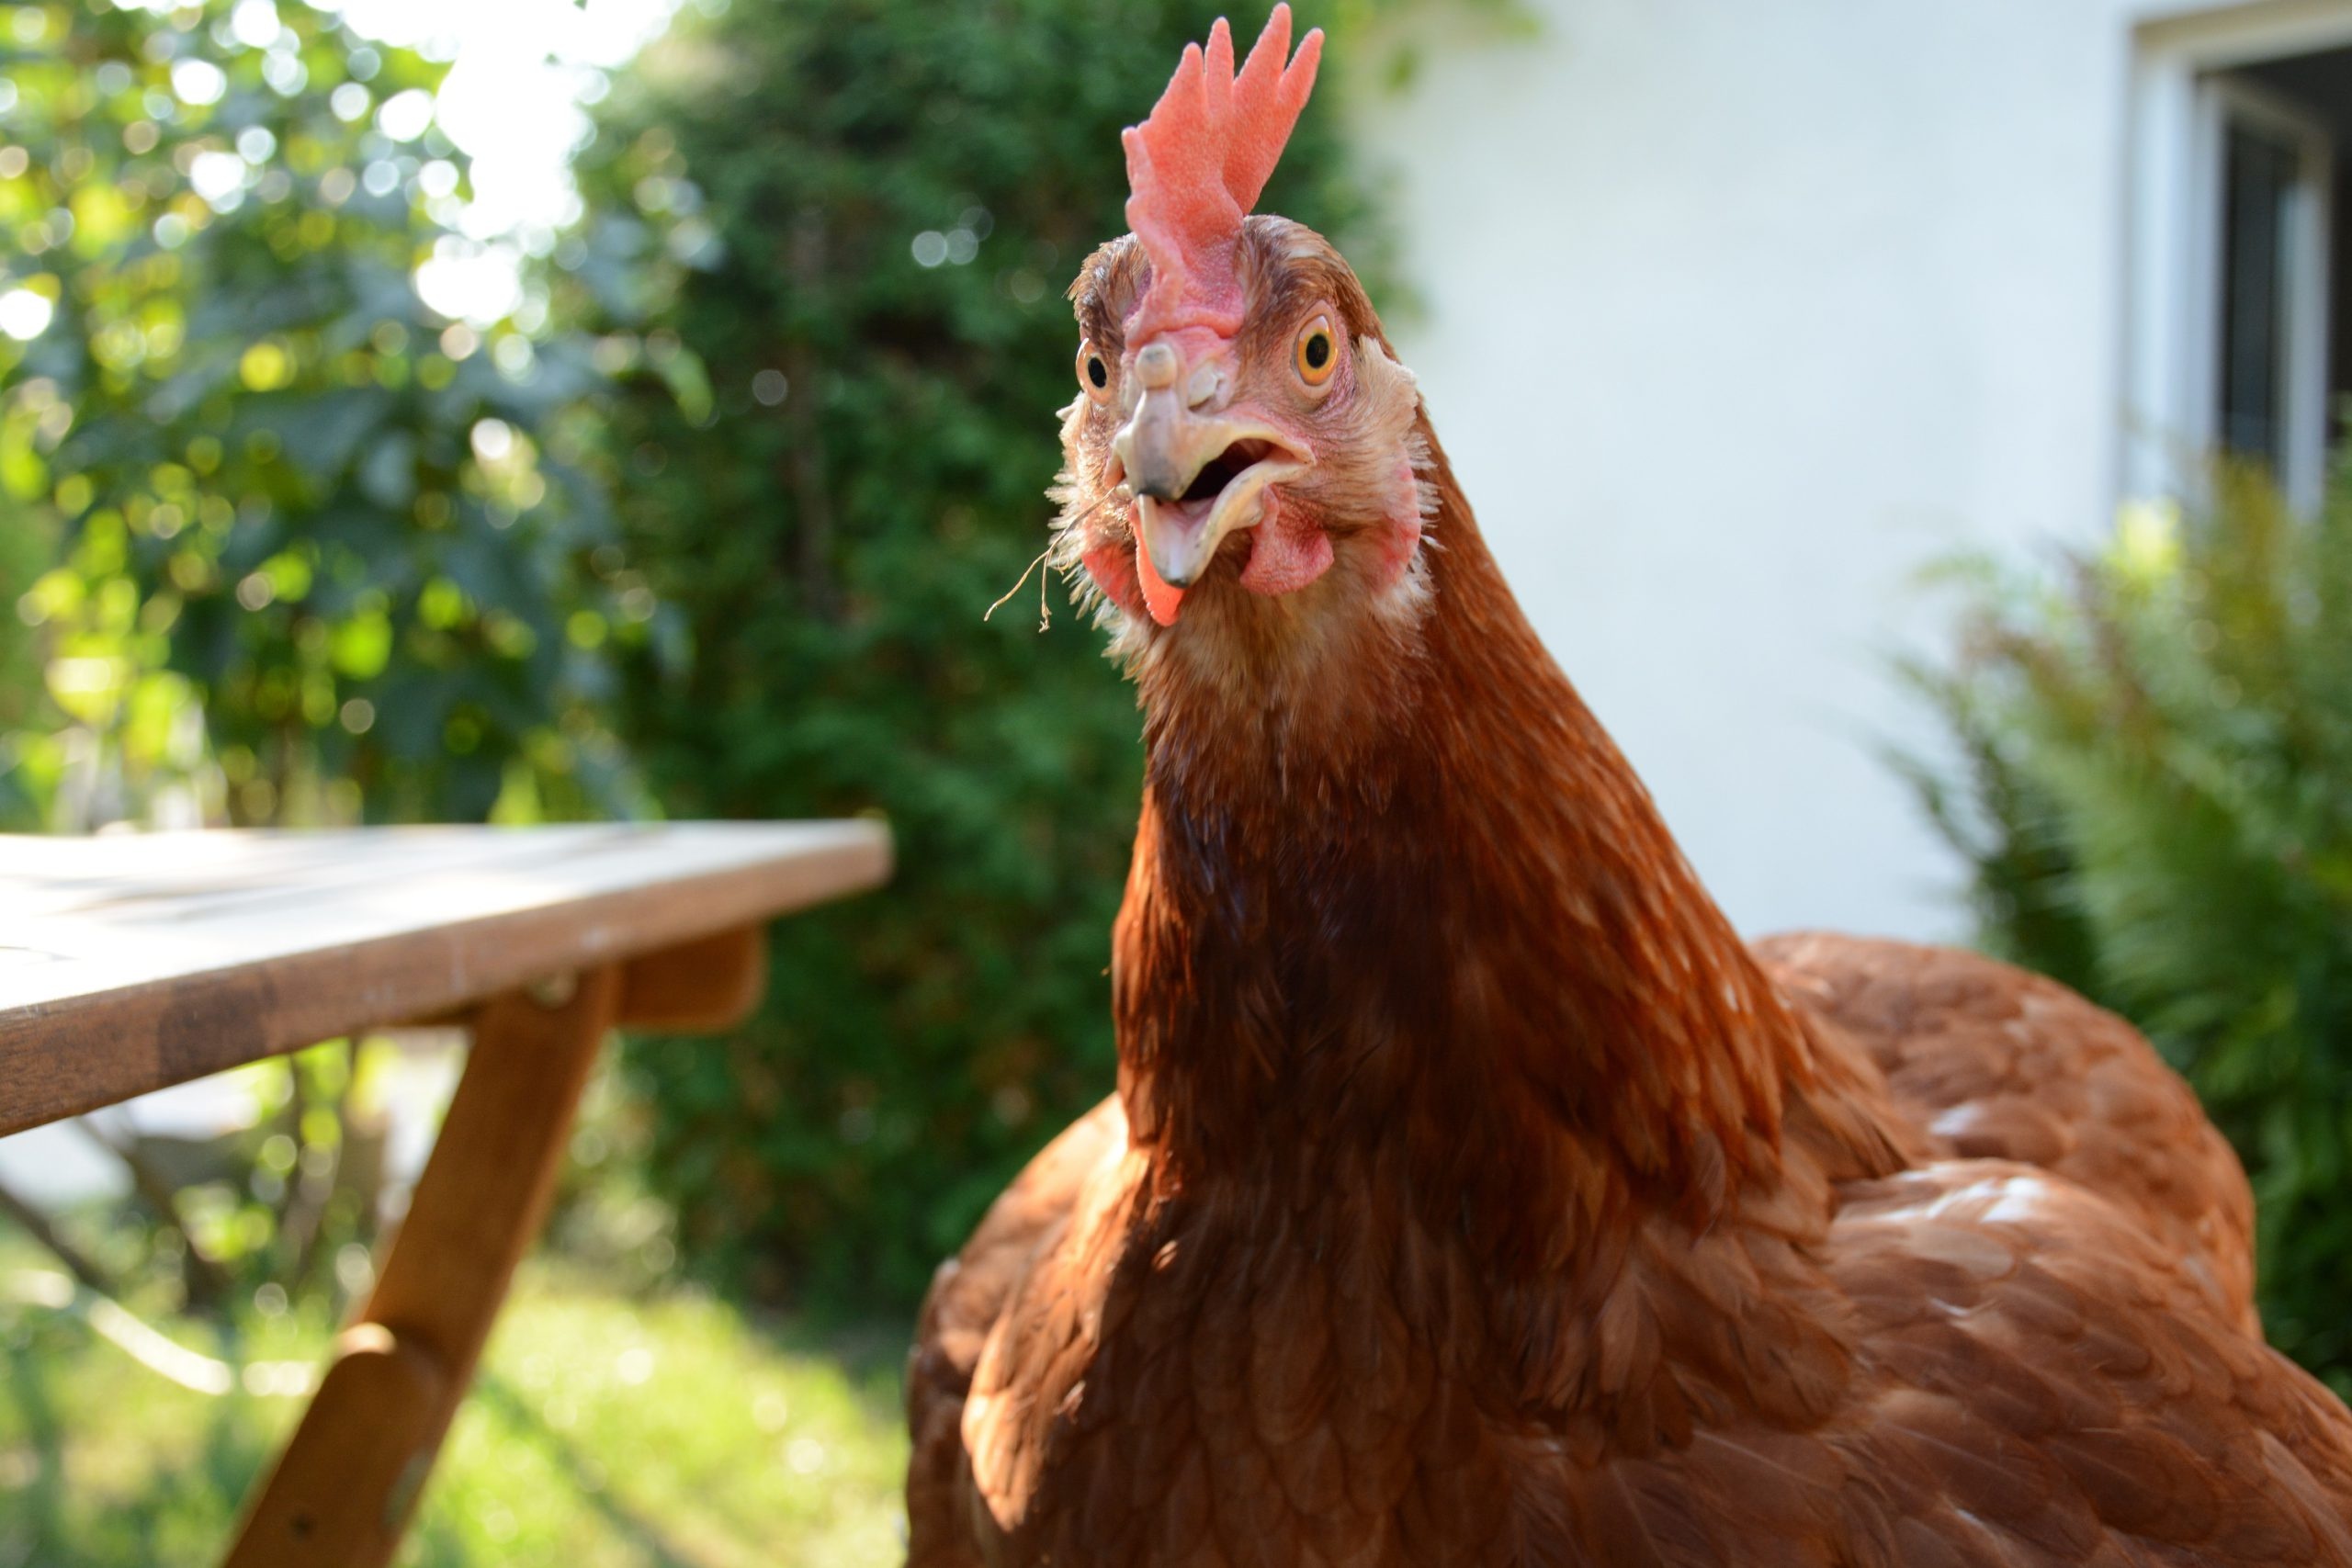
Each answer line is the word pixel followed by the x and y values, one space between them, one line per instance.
pixel 2181 104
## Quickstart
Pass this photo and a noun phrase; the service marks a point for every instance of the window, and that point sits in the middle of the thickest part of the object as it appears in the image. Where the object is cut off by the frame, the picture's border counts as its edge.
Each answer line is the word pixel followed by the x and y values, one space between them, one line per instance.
pixel 2274 274
pixel 2240 336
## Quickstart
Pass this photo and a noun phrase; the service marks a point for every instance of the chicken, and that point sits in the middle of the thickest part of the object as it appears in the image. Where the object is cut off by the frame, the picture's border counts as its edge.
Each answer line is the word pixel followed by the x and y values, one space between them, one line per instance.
pixel 1472 1193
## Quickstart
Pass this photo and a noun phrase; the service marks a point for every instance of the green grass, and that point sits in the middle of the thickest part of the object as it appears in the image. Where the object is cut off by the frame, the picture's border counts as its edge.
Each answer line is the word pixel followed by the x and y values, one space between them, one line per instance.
pixel 606 1431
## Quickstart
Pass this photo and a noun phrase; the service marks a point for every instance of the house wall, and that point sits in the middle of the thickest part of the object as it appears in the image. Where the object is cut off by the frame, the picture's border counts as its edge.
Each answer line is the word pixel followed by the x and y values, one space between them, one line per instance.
pixel 1732 317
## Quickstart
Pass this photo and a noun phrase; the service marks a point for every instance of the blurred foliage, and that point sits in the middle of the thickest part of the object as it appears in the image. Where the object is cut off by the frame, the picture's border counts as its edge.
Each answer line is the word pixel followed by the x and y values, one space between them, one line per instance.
pixel 867 216
pixel 268 510
pixel 1385 41
pixel 281 1207
pixel 277 1202
pixel 605 1430
pixel 2157 802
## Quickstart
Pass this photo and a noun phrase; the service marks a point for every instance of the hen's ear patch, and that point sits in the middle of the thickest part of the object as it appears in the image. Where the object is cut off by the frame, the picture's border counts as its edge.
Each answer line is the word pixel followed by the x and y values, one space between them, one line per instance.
pixel 1199 163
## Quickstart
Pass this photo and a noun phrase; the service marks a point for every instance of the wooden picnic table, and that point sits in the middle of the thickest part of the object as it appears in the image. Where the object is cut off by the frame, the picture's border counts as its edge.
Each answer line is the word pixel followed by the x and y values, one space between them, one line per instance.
pixel 132 962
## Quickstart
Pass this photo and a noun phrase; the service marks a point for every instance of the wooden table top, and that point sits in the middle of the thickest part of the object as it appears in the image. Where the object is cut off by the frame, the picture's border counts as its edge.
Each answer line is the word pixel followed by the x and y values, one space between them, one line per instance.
pixel 131 961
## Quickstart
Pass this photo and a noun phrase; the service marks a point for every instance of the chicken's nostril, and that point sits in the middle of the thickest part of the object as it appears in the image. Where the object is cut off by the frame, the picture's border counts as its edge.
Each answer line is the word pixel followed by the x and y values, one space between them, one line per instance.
pixel 1155 367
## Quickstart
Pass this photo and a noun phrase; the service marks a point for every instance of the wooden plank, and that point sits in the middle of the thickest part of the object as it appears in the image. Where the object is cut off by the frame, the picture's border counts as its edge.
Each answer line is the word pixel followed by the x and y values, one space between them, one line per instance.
pixel 340 1492
pixel 700 987
pixel 130 964
pixel 343 1491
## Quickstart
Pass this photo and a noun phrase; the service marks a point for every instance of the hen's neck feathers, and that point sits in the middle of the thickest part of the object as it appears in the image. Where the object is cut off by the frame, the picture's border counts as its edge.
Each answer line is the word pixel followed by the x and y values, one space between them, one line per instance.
pixel 1402 913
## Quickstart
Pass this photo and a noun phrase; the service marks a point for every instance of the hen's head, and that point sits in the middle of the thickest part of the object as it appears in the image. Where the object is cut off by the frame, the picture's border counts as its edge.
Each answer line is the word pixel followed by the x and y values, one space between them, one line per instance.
pixel 1240 428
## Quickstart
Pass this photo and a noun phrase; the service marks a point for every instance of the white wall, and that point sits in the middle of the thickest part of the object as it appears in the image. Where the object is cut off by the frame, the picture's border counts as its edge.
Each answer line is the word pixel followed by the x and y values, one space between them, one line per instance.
pixel 1735 315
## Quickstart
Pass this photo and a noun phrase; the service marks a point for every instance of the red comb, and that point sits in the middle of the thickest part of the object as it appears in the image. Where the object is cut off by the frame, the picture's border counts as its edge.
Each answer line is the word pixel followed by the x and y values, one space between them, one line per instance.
pixel 1197 165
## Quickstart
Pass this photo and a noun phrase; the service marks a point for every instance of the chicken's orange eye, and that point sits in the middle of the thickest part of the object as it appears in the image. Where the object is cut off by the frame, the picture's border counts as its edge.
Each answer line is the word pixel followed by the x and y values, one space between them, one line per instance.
pixel 1319 352
pixel 1093 372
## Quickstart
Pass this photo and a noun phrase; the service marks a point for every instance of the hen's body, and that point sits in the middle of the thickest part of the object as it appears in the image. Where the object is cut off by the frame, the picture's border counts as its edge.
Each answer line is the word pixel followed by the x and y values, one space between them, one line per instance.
pixel 1472 1194
pixel 1513 1212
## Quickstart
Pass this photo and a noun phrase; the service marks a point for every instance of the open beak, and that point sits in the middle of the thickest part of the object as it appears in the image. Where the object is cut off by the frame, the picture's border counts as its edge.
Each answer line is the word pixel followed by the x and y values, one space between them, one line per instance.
pixel 1197 478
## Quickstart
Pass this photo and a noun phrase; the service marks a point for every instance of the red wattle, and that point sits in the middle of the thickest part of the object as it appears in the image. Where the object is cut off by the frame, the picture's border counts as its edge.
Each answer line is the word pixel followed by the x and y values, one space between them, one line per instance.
pixel 1286 552
pixel 1112 568
pixel 1162 601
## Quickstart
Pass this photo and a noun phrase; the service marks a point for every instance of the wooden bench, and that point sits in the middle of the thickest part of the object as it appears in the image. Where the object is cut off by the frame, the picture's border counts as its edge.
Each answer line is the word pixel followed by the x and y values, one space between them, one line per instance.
pixel 130 963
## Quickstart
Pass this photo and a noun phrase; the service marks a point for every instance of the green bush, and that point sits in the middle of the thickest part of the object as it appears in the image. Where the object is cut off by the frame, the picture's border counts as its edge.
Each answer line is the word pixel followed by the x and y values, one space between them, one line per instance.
pixel 273 523
pixel 2157 805
pixel 867 214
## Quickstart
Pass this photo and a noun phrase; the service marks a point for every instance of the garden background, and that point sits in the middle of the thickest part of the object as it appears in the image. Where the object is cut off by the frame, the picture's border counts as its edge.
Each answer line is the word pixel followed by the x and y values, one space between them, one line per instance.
pixel 319 505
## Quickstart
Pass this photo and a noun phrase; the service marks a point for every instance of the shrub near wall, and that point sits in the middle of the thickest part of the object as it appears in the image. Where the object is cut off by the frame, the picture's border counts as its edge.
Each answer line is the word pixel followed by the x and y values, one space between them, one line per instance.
pixel 2158 809
pixel 864 215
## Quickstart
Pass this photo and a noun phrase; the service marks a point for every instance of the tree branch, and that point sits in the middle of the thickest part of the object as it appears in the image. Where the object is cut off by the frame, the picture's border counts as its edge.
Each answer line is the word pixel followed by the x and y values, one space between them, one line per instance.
pixel 206 1283
pixel 37 1224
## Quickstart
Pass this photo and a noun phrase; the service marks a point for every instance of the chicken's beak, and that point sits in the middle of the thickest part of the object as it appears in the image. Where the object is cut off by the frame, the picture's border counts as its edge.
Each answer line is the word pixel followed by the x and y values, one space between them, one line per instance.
pixel 1197 476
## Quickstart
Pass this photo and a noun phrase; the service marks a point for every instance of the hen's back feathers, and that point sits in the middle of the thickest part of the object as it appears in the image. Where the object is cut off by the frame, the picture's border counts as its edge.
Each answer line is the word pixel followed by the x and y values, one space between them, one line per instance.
pixel 1991 1062
pixel 2052 1384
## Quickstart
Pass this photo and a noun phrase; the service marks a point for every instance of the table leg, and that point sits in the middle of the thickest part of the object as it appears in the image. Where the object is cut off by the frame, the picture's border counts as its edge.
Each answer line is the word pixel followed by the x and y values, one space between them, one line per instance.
pixel 344 1487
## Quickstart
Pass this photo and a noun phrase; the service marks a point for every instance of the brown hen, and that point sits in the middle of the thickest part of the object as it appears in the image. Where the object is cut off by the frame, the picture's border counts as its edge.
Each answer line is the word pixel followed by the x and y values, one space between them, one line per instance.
pixel 1472 1194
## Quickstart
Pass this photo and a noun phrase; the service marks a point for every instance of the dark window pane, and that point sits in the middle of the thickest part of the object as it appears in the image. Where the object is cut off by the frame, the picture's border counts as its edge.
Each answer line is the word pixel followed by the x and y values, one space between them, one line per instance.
pixel 2339 310
pixel 2258 187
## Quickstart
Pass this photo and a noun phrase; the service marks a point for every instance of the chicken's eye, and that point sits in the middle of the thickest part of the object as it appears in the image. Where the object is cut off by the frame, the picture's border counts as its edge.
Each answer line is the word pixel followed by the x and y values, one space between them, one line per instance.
pixel 1093 372
pixel 1319 352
